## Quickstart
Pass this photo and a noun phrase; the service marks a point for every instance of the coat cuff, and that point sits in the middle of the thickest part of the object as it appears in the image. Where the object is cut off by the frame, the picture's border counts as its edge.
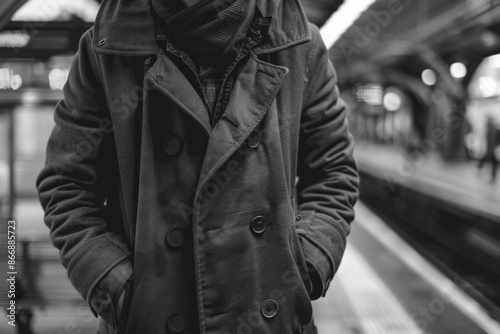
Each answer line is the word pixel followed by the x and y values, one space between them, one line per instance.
pixel 323 246
pixel 319 268
pixel 105 295
pixel 94 260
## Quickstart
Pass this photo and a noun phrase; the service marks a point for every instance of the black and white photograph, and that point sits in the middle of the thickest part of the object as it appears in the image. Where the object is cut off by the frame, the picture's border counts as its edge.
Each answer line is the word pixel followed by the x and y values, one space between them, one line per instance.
pixel 249 166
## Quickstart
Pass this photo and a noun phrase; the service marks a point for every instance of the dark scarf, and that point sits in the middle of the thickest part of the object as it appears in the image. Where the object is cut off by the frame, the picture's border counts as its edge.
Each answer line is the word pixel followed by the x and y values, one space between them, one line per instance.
pixel 210 30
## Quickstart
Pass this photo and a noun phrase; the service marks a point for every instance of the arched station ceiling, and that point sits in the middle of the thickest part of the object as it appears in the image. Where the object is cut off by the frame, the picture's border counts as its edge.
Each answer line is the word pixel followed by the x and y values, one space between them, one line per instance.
pixel 452 30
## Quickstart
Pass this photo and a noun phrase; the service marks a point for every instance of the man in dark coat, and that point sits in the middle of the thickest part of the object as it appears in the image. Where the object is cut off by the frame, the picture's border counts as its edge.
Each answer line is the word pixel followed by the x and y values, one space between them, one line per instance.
pixel 170 186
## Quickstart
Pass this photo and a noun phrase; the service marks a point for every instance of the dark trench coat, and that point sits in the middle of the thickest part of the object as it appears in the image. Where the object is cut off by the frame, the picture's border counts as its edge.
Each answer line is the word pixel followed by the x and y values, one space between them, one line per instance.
pixel 210 219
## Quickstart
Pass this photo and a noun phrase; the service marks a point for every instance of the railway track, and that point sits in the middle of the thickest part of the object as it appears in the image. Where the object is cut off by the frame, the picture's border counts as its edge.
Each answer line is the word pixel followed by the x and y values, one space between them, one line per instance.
pixel 463 243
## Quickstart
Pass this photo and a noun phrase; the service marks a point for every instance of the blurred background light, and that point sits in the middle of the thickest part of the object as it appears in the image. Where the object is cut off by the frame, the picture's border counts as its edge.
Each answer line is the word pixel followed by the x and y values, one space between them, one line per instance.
pixel 30 97
pixel 53 10
pixel 342 19
pixel 57 78
pixel 489 39
pixel 10 80
pixel 392 101
pixel 14 39
pixel 371 94
pixel 16 82
pixel 429 77
pixel 458 70
pixel 494 61
pixel 487 86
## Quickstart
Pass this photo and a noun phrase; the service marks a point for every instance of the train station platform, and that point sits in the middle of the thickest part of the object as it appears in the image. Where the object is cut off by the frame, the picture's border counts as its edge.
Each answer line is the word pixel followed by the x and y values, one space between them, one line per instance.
pixel 383 286
pixel 460 183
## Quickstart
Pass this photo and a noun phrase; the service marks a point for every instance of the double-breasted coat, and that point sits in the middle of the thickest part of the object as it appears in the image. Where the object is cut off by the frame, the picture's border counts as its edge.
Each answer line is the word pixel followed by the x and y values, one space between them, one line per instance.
pixel 220 236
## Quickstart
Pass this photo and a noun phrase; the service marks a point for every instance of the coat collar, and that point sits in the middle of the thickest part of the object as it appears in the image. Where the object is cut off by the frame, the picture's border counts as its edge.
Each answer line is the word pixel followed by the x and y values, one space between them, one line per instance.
pixel 127 27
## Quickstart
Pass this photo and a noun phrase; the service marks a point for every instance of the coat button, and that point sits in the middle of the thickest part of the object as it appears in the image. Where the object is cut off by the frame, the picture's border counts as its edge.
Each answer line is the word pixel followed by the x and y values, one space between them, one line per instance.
pixel 173 145
pixel 253 140
pixel 177 323
pixel 175 236
pixel 102 42
pixel 269 309
pixel 258 225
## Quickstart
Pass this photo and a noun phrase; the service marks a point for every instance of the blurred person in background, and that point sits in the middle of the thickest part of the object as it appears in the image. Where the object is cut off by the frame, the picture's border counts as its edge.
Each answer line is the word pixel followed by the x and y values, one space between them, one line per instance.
pixel 169 185
pixel 492 140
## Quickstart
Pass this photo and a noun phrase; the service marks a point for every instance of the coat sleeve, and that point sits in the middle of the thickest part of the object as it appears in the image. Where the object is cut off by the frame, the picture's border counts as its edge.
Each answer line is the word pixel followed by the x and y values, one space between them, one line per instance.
pixel 72 187
pixel 328 180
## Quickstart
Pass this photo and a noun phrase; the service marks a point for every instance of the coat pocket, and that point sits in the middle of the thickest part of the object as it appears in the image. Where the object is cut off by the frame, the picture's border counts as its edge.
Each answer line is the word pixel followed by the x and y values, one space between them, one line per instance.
pixel 298 255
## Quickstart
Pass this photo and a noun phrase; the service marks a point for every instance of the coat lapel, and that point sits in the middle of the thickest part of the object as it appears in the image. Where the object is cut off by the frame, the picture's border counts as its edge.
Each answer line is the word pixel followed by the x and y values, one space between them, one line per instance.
pixel 166 78
pixel 251 97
